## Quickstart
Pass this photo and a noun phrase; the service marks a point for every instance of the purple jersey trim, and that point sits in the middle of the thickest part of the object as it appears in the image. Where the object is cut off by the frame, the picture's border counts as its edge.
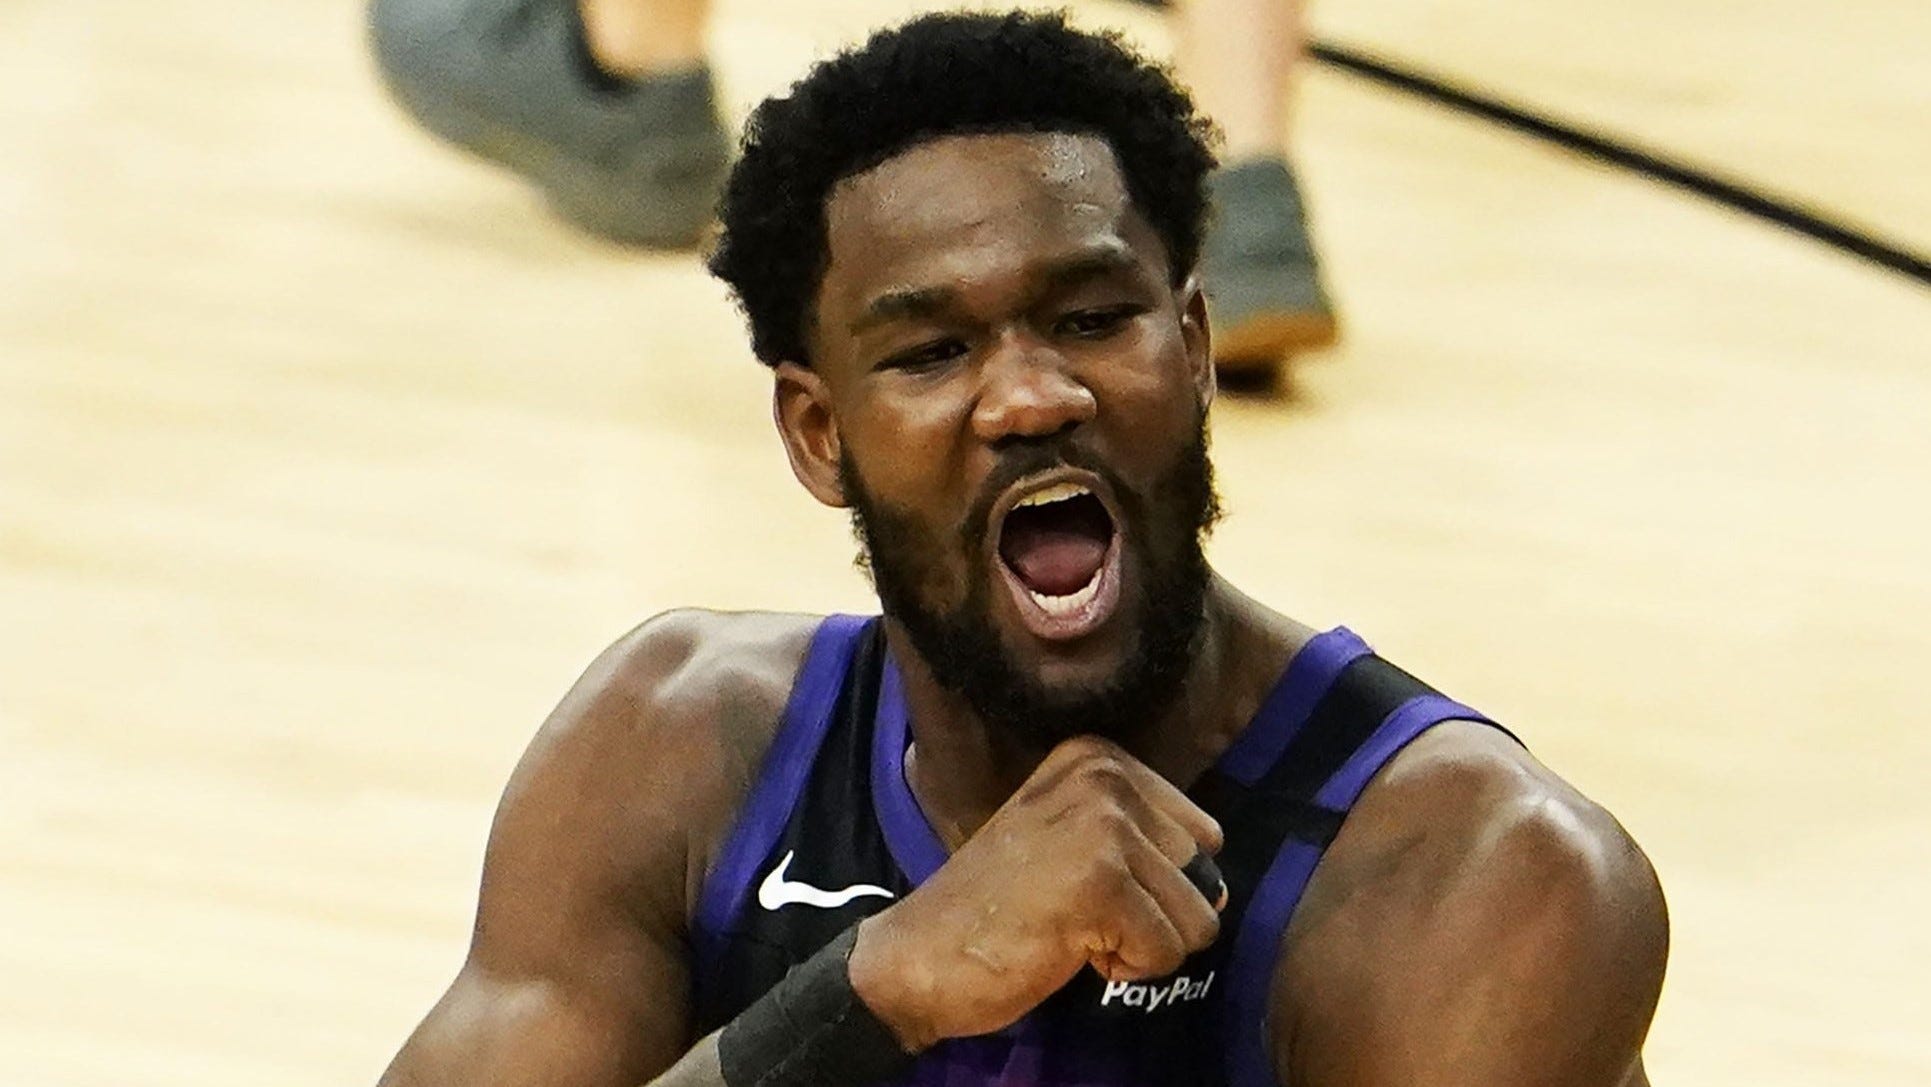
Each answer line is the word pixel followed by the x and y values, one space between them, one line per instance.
pixel 916 846
pixel 908 833
pixel 781 780
pixel 1251 970
pixel 1408 721
pixel 1258 946
pixel 1309 675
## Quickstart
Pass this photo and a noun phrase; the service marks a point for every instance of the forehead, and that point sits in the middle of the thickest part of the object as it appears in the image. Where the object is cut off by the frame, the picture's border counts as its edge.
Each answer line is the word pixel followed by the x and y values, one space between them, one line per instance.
pixel 961 206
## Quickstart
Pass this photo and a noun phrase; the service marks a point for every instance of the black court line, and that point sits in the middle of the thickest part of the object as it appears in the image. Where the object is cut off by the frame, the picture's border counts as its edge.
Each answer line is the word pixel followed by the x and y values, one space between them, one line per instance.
pixel 1771 209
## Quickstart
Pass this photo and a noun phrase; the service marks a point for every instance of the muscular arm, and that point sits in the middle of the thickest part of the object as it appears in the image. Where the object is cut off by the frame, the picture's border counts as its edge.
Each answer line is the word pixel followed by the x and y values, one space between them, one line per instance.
pixel 578 970
pixel 578 973
pixel 1477 922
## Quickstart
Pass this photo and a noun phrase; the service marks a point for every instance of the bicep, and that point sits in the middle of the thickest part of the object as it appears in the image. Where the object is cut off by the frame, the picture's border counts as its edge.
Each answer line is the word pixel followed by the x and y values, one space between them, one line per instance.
pixel 577 971
pixel 564 985
pixel 1540 963
pixel 492 1030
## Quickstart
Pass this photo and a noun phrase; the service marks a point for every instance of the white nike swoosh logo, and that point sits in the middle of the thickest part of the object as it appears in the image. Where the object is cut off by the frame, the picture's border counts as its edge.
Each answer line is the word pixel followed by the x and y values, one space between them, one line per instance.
pixel 778 891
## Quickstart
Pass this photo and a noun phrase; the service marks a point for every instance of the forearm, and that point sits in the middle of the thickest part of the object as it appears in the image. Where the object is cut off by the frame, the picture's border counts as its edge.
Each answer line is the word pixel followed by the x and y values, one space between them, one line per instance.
pixel 810 1029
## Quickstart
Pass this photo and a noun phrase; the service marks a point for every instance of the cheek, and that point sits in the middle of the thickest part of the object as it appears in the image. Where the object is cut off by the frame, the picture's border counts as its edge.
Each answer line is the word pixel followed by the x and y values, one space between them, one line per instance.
pixel 1152 394
pixel 1151 361
pixel 908 445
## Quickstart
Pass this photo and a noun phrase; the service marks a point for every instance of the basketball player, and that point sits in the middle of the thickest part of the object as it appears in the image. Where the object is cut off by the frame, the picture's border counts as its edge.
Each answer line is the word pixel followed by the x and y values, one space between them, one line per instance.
pixel 608 107
pixel 1075 810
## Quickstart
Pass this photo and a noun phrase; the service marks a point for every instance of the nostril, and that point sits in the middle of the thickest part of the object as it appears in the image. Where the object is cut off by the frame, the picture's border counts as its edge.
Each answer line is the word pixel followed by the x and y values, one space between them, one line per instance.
pixel 1016 438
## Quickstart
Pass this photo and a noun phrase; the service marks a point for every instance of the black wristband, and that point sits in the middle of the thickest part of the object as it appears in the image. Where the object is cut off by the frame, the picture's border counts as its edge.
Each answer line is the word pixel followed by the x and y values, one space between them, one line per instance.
pixel 811 1030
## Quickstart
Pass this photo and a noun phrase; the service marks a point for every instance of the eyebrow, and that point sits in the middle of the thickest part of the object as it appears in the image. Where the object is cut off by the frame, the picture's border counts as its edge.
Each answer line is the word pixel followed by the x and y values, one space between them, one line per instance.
pixel 904 303
pixel 1056 276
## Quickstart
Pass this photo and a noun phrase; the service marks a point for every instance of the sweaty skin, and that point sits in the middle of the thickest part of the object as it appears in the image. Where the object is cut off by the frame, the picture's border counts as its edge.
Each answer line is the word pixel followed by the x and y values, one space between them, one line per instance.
pixel 1476 922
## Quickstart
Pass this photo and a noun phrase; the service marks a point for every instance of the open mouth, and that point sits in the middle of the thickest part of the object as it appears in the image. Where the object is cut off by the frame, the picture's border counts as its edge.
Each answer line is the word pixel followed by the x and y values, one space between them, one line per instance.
pixel 1059 549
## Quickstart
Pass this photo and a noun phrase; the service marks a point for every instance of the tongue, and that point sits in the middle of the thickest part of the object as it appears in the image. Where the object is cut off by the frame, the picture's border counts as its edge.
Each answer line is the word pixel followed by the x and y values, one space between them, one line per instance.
pixel 1052 561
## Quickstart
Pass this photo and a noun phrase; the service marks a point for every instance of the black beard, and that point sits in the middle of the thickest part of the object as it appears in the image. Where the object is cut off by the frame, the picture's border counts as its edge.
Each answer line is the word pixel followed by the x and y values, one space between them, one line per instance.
pixel 962 646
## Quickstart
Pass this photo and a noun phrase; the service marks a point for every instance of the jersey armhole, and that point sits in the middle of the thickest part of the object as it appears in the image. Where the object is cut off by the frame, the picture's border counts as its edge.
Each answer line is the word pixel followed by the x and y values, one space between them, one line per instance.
pixel 1263 926
pixel 781 780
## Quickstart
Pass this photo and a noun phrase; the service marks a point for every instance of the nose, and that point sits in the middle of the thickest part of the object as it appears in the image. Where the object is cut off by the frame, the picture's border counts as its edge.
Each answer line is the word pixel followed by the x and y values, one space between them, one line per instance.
pixel 1027 391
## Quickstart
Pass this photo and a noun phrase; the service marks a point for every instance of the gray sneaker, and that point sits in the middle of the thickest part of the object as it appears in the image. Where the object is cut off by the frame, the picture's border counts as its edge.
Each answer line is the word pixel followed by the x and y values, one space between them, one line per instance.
pixel 1264 292
pixel 639 162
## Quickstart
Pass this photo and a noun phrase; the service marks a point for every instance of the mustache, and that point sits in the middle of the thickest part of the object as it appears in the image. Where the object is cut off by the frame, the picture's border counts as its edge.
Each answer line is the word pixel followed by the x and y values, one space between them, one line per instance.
pixel 1030 459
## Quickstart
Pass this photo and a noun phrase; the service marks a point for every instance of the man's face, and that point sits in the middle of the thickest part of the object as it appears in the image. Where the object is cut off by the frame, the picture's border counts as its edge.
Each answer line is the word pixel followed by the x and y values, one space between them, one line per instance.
pixel 1013 400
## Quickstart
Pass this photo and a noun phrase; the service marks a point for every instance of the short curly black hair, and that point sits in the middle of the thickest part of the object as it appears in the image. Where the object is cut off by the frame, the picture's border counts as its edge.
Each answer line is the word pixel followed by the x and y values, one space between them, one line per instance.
pixel 938 75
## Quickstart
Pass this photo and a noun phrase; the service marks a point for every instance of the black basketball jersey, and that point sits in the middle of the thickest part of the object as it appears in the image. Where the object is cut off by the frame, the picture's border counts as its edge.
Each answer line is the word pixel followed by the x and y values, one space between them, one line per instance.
pixel 831 833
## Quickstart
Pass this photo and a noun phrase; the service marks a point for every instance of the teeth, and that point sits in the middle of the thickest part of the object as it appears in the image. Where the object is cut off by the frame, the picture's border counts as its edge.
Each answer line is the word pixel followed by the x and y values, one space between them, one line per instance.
pixel 1065 607
pixel 1058 492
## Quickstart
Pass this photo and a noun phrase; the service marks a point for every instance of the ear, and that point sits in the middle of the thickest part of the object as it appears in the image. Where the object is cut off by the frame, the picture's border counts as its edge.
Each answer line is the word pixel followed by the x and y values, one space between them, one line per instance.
pixel 1198 337
pixel 801 407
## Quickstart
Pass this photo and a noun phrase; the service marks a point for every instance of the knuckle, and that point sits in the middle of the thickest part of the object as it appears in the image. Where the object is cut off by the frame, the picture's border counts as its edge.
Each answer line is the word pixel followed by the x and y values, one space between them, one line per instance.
pixel 1108 817
pixel 1175 842
pixel 1107 879
pixel 1104 773
pixel 1083 747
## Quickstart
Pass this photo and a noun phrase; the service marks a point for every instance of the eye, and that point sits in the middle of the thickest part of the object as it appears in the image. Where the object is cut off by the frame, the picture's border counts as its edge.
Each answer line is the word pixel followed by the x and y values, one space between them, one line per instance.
pixel 926 356
pixel 1094 324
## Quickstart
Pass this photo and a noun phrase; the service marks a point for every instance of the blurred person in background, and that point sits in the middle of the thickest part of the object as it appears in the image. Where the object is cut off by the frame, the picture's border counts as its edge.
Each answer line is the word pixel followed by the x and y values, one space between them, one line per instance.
pixel 609 108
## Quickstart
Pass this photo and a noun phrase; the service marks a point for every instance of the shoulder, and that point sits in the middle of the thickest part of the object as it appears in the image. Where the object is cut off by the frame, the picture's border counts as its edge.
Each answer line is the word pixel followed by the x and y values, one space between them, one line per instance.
pixel 690 681
pixel 1471 887
pixel 578 961
pixel 1466 802
pixel 641 767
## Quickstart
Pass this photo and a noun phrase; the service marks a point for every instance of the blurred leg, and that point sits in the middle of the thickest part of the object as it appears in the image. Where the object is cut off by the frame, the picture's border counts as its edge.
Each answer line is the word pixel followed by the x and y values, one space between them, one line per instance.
pixel 1240 58
pixel 607 108
pixel 630 38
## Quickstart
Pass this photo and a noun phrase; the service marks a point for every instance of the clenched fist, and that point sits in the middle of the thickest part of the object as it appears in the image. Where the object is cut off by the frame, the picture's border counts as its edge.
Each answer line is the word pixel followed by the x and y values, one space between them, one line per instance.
pixel 1082 866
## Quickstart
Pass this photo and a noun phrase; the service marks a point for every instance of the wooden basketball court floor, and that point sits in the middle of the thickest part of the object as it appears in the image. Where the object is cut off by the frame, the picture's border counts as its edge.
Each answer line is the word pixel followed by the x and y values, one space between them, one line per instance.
pixel 326 460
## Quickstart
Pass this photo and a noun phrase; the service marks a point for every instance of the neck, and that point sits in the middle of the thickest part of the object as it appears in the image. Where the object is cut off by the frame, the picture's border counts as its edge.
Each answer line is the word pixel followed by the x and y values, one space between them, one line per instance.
pixel 961 770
